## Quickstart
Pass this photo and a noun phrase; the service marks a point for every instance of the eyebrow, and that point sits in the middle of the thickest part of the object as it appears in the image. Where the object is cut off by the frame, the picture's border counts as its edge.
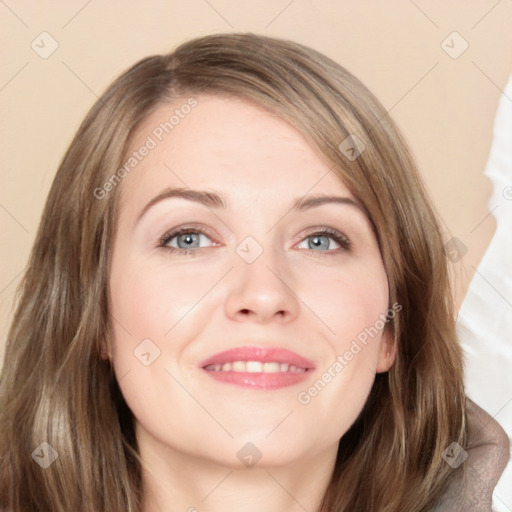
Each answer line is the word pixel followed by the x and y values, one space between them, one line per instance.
pixel 215 200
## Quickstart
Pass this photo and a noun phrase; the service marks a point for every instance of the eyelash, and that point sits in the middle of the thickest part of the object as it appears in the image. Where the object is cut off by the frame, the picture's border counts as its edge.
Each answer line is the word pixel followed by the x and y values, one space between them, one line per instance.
pixel 339 238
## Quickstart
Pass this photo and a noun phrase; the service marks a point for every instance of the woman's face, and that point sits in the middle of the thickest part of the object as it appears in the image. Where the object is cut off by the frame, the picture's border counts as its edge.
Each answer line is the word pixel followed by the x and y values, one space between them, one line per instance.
pixel 234 235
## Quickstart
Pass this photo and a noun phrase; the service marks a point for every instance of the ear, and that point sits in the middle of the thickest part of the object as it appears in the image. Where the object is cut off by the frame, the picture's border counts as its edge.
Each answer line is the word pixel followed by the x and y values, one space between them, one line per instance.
pixel 387 351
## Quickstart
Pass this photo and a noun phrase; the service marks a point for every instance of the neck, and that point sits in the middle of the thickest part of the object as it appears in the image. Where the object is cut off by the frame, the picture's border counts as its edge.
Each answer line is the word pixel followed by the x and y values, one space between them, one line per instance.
pixel 175 481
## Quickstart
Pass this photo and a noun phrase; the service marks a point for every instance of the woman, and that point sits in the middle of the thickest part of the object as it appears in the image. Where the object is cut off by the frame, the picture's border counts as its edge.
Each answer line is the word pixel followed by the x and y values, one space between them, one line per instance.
pixel 238 298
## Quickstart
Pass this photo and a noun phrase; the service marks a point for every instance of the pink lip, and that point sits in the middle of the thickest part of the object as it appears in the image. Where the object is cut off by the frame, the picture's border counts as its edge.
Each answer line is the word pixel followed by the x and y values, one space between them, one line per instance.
pixel 263 355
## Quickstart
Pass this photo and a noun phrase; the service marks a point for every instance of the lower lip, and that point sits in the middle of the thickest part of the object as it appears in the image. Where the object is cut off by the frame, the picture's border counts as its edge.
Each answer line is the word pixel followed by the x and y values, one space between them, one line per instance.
pixel 260 380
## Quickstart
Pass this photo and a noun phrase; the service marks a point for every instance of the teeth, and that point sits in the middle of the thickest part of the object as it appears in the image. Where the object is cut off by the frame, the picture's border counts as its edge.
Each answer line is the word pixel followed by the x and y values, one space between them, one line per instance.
pixel 239 366
pixel 271 367
pixel 255 367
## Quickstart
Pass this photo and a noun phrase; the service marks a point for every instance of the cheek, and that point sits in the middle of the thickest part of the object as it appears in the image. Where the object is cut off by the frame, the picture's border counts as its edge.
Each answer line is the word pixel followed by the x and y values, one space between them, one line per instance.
pixel 149 298
pixel 156 310
pixel 346 374
pixel 351 301
pixel 337 396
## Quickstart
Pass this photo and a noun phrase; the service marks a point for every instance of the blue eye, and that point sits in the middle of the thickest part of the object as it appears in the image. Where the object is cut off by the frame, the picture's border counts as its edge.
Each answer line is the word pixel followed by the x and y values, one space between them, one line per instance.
pixel 325 240
pixel 185 239
pixel 188 240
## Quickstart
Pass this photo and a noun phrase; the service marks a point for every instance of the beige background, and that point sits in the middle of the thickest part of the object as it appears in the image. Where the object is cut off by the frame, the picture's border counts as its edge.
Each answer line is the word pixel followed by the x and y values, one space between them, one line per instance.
pixel 444 105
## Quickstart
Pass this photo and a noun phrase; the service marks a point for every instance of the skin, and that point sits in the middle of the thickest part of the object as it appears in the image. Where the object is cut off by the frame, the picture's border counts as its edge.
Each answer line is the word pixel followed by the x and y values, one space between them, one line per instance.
pixel 313 301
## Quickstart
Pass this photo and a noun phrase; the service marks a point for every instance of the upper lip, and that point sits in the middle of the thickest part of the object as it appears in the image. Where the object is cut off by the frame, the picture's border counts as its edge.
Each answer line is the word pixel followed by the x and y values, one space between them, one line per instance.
pixel 261 354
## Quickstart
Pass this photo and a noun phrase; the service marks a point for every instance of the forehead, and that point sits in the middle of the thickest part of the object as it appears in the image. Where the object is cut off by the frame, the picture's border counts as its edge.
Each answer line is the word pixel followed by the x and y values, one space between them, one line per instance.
pixel 226 144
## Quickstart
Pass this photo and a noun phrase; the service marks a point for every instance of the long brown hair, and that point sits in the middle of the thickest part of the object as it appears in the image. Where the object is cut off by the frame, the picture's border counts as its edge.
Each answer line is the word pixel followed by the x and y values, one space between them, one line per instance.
pixel 55 386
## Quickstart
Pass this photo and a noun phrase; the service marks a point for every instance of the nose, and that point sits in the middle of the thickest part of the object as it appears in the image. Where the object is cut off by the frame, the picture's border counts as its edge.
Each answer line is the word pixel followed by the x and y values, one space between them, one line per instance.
pixel 262 291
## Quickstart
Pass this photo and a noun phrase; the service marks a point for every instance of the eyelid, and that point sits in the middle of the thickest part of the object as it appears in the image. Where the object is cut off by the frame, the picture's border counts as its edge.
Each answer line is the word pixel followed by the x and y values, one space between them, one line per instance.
pixel 322 230
pixel 186 228
pixel 338 236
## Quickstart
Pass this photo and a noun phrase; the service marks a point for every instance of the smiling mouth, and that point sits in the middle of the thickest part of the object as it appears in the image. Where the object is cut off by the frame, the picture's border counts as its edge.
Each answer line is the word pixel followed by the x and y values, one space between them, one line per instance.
pixel 255 367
